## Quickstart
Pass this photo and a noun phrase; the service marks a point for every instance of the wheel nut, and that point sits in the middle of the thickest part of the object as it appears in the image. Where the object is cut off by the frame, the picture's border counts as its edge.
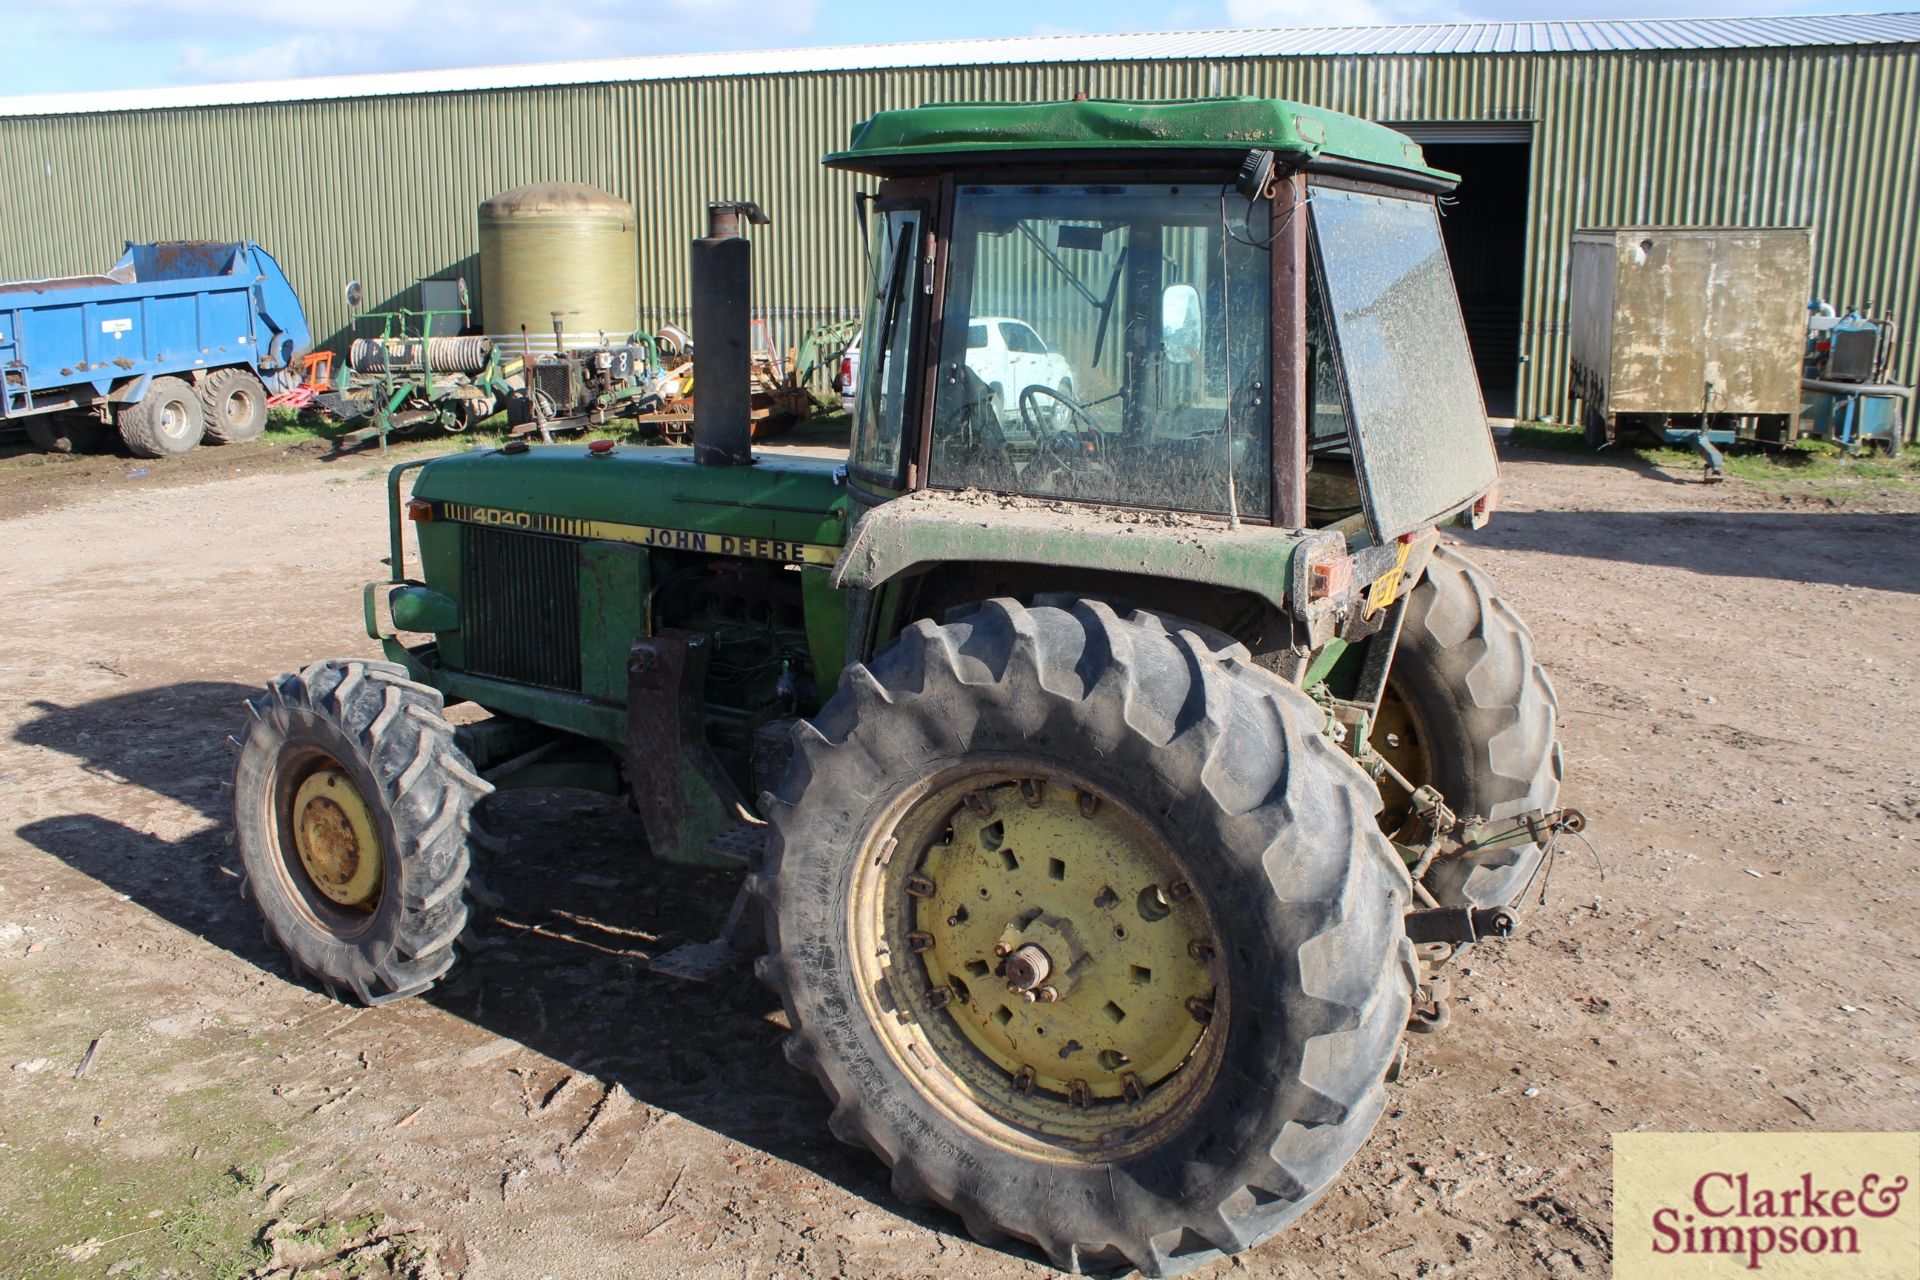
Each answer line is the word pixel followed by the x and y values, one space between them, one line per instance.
pixel 939 997
pixel 980 804
pixel 1180 890
pixel 1023 1081
pixel 919 886
pixel 1032 791
pixel 918 942
pixel 1200 949
pixel 1003 948
pixel 1027 968
pixel 1130 1087
pixel 1088 802
pixel 1078 1094
pixel 1201 1008
pixel 1047 995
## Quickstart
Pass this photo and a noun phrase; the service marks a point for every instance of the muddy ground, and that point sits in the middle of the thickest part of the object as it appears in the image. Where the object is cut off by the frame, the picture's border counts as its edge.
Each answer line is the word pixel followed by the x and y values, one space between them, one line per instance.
pixel 1739 684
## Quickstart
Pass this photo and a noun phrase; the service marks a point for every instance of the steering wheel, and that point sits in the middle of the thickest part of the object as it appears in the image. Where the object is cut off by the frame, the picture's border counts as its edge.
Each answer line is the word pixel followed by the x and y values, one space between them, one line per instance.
pixel 1078 450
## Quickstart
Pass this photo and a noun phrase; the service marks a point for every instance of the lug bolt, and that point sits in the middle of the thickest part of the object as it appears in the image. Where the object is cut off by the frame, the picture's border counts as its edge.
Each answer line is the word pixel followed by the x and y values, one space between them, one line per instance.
pixel 1180 890
pixel 1047 995
pixel 1032 790
pixel 939 997
pixel 980 804
pixel 1078 1094
pixel 1023 1081
pixel 1130 1087
pixel 1200 949
pixel 918 942
pixel 919 886
pixel 1003 948
pixel 1201 1008
pixel 1088 802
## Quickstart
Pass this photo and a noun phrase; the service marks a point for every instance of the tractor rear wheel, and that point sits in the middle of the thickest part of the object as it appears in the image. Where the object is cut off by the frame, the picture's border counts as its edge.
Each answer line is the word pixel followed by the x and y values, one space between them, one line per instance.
pixel 1088 932
pixel 235 404
pixel 167 420
pixel 1469 711
pixel 351 813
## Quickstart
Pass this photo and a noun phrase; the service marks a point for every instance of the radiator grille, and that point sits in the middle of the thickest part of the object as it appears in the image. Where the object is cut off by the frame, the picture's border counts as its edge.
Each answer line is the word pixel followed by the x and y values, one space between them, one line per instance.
pixel 520 606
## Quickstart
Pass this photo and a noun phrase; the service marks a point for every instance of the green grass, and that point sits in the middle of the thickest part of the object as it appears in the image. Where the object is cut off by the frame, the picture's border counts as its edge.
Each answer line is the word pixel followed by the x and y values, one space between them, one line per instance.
pixel 1816 466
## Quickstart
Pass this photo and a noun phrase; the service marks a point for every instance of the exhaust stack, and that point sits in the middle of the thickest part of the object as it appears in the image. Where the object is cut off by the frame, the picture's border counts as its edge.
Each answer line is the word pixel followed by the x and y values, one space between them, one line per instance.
pixel 722 272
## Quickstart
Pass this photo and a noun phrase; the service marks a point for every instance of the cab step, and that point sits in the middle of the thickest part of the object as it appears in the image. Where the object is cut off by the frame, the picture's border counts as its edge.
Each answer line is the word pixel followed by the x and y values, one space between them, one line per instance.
pixel 740 939
pixel 745 842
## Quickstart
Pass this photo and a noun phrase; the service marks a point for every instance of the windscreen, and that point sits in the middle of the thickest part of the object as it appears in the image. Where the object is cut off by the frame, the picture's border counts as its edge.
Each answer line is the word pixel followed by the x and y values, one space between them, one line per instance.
pixel 1418 421
pixel 1107 343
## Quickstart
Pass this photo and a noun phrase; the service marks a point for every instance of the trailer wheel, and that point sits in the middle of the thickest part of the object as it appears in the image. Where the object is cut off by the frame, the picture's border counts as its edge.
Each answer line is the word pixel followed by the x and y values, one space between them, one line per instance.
pixel 66 433
pixel 169 420
pixel 1470 711
pixel 1088 932
pixel 234 402
pixel 352 814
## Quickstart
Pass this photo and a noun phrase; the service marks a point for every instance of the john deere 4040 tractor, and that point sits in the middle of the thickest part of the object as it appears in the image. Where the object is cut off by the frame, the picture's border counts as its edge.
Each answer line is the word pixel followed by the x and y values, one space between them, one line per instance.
pixel 1113 747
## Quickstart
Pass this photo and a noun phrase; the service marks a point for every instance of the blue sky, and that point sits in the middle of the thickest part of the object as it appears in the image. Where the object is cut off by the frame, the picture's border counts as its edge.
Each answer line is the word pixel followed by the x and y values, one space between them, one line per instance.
pixel 54 46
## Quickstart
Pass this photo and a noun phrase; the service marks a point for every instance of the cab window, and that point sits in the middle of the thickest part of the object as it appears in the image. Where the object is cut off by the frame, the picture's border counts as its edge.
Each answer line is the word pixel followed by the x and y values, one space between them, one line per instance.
pixel 881 398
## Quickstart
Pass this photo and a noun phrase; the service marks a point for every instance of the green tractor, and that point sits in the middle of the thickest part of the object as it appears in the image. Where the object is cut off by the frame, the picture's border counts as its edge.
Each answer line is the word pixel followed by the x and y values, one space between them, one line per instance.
pixel 1113 751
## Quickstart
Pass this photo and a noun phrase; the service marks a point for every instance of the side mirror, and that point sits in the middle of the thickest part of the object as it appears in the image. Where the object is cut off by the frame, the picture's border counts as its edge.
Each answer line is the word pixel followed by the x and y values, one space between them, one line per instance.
pixel 353 294
pixel 1180 327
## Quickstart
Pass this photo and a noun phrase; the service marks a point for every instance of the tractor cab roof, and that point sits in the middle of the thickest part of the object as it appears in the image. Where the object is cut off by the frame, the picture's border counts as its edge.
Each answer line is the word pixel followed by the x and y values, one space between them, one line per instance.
pixel 949 135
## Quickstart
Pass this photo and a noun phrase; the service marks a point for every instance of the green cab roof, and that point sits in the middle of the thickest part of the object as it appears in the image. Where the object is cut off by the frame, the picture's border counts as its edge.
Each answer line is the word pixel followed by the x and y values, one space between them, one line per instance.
pixel 895 141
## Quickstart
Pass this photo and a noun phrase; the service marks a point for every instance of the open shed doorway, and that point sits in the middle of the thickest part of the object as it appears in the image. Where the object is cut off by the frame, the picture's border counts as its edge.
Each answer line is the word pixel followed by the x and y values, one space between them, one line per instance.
pixel 1484 223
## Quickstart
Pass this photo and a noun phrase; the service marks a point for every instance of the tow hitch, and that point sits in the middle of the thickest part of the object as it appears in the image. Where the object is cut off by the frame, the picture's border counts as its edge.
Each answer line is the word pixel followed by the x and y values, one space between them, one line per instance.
pixel 1461 924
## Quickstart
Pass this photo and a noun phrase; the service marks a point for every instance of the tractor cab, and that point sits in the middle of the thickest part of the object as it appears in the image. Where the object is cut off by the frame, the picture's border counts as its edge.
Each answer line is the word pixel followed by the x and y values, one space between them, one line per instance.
pixel 1237 309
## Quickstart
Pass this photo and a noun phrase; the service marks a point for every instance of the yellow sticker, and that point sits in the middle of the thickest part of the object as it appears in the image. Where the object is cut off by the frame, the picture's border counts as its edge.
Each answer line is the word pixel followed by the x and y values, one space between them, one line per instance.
pixel 1387 585
pixel 716 544
pixel 1792 1206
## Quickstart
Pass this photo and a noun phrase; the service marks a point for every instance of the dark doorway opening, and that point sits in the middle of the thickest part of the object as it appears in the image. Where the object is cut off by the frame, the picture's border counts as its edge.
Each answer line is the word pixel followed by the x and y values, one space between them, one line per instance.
pixel 1484 223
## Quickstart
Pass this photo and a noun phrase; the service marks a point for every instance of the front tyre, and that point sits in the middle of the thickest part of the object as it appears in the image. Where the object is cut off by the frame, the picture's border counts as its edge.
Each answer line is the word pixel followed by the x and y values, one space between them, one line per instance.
pixel 1469 710
pixel 351 814
pixel 1087 932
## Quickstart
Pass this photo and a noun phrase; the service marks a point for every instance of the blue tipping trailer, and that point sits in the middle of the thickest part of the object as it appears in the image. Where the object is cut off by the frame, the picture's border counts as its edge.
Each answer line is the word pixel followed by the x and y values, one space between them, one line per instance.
pixel 173 344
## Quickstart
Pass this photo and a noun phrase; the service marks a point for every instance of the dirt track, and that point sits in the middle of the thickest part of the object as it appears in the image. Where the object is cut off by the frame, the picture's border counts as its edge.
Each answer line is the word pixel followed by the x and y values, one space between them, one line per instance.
pixel 1738 682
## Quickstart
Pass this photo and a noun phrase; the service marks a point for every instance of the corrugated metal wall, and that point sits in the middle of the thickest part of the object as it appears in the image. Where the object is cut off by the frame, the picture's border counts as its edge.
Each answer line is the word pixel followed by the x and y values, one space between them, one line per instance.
pixel 384 189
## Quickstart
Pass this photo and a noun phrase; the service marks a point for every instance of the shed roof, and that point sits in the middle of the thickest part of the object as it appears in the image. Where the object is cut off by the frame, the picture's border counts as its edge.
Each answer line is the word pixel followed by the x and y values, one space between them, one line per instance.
pixel 1610 35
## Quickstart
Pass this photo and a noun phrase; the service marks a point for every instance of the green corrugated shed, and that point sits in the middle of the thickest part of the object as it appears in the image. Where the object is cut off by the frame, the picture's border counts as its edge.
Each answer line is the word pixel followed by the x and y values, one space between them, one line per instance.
pixel 1790 122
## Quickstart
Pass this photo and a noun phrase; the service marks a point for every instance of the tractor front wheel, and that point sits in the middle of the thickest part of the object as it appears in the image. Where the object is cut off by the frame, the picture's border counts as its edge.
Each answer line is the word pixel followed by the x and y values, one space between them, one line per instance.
pixel 352 811
pixel 1469 711
pixel 1088 932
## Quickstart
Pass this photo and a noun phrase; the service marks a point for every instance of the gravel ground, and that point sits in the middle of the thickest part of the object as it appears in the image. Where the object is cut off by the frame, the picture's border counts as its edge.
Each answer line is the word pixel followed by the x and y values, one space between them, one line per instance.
pixel 1738 682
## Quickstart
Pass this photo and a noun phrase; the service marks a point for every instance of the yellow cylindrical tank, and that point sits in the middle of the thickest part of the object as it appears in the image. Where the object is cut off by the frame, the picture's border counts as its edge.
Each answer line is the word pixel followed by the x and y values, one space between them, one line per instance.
pixel 558 246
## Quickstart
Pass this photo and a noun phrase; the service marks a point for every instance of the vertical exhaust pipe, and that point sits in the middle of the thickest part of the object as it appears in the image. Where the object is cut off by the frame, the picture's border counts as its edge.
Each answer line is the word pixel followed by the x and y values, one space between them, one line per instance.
pixel 722 338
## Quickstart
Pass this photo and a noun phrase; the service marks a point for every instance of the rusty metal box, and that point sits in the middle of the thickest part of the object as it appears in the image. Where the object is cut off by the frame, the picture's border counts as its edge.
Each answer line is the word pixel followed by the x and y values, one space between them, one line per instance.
pixel 1690 320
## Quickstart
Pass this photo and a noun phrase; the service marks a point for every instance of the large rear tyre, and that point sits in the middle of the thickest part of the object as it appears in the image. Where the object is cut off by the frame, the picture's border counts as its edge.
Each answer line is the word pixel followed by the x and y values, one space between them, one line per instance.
pixel 351 814
pixel 1470 711
pixel 166 421
pixel 234 402
pixel 1088 932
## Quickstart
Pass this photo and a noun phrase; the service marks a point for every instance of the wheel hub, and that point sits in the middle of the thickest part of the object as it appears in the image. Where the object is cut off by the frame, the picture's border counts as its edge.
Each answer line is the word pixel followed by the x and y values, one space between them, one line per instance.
pixel 334 835
pixel 1059 966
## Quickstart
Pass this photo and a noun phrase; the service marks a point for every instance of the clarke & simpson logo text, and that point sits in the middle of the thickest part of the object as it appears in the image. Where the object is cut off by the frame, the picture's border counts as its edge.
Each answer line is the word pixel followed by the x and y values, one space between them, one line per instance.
pixel 1786 1205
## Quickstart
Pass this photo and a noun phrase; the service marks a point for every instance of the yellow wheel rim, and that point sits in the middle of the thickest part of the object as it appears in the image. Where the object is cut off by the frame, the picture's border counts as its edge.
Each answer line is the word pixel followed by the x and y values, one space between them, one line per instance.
pixel 1039 961
pixel 333 832
pixel 1399 736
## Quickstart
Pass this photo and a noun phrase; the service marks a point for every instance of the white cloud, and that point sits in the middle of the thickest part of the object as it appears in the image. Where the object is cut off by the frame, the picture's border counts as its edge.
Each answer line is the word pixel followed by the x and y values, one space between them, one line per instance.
pixel 1337 13
pixel 205 43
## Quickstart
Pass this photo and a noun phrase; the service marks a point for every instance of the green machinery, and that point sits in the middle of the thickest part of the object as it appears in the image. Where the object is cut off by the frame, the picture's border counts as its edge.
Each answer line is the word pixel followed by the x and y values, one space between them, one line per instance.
pixel 1113 764
pixel 411 377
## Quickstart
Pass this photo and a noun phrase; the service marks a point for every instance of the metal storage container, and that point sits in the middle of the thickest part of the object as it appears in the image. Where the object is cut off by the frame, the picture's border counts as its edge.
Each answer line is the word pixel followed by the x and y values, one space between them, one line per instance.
pixel 558 246
pixel 1693 333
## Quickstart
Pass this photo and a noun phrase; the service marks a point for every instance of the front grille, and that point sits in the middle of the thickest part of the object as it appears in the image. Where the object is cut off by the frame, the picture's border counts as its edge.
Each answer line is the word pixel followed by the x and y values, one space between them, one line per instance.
pixel 520 606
